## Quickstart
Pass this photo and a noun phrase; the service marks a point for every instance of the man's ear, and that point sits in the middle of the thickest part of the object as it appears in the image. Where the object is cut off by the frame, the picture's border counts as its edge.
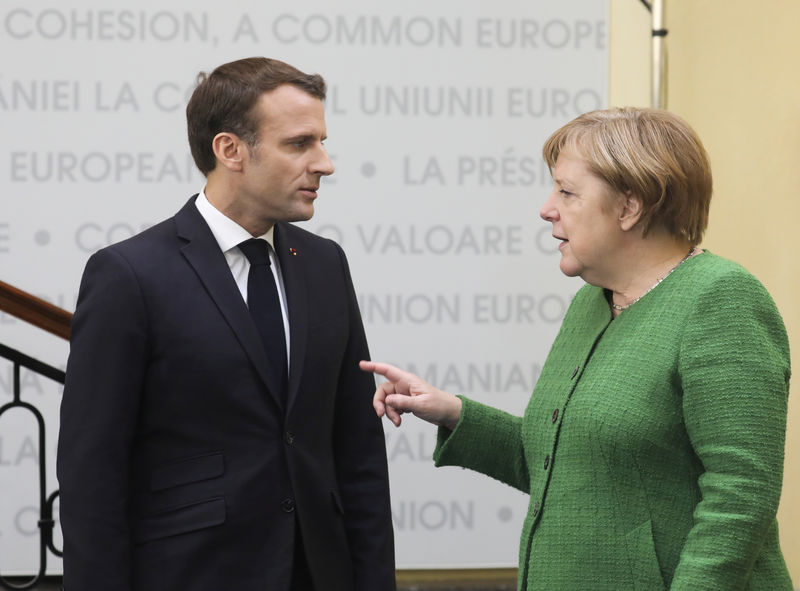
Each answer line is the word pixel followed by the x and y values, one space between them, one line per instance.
pixel 631 211
pixel 229 150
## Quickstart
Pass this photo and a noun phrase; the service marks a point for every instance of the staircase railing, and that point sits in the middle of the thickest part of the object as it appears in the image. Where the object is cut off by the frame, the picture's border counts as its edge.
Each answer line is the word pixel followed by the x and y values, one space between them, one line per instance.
pixel 55 320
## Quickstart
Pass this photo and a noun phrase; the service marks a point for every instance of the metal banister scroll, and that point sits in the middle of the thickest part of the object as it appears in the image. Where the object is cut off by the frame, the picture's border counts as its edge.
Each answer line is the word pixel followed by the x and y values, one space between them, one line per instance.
pixel 46 521
pixel 55 320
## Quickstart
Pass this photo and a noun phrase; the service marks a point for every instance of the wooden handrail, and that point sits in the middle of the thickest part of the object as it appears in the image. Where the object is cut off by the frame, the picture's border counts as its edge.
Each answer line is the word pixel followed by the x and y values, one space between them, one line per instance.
pixel 35 310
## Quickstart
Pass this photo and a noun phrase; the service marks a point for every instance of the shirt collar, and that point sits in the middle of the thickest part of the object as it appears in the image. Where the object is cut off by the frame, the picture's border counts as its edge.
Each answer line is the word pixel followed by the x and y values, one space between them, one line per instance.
pixel 228 233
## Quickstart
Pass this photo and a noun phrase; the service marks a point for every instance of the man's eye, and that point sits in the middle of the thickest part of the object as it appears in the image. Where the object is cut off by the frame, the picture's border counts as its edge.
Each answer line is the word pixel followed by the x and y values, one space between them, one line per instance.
pixel 565 192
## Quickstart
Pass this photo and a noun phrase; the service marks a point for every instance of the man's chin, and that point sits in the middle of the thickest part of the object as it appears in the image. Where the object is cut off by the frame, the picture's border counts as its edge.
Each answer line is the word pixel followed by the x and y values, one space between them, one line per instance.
pixel 302 215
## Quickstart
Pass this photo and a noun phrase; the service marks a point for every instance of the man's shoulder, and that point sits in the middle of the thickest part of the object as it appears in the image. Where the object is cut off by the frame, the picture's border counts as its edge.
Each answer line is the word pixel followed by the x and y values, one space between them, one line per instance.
pixel 162 234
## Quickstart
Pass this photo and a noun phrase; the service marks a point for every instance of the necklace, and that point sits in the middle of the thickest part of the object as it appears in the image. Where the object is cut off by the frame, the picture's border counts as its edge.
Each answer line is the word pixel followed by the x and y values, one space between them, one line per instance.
pixel 660 279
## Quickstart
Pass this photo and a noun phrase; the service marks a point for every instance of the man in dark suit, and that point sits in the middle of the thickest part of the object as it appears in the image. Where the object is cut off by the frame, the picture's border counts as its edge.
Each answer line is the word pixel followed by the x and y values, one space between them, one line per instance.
pixel 206 446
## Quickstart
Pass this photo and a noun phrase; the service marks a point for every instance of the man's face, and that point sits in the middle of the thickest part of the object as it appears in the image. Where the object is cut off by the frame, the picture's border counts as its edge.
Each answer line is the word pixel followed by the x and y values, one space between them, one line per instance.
pixel 281 176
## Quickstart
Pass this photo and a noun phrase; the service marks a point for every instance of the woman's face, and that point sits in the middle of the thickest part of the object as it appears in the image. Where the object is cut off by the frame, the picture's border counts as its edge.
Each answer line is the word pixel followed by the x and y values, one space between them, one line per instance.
pixel 585 213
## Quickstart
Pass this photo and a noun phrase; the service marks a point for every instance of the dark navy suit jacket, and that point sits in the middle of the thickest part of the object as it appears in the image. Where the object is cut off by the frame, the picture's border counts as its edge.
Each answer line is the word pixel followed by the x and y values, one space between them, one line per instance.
pixel 179 466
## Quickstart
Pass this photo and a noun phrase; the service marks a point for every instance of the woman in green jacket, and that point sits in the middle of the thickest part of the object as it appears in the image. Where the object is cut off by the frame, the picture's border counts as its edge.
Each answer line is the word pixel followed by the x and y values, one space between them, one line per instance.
pixel 652 446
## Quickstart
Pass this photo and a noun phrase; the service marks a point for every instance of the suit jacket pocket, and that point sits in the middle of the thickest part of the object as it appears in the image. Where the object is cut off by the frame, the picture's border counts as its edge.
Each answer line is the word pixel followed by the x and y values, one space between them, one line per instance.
pixel 187 470
pixel 645 570
pixel 180 520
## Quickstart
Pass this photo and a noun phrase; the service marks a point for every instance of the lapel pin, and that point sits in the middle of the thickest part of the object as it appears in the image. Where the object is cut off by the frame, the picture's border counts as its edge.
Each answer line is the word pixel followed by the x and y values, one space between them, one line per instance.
pixel 293 251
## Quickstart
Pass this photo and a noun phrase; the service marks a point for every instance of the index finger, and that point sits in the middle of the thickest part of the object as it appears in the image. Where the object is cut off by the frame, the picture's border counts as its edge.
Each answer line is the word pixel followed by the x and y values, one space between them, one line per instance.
pixel 390 372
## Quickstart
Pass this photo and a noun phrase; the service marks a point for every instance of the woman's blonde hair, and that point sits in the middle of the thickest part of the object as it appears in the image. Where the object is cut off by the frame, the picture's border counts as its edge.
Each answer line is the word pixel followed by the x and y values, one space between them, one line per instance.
pixel 654 155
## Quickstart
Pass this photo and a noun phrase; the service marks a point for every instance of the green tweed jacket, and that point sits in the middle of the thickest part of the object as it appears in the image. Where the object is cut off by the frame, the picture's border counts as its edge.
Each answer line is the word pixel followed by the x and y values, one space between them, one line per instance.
pixel 652 446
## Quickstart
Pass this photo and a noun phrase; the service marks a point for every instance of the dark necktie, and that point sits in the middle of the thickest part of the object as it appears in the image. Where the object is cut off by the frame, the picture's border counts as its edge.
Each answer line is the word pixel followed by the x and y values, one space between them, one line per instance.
pixel 265 308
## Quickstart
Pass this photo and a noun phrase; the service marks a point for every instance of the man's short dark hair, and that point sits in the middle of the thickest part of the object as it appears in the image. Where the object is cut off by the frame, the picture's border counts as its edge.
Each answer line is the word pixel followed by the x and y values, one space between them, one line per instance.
pixel 225 100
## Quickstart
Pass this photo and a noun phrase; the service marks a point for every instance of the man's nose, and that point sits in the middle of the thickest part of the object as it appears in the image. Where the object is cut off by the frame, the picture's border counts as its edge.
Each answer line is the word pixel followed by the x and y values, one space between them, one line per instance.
pixel 322 164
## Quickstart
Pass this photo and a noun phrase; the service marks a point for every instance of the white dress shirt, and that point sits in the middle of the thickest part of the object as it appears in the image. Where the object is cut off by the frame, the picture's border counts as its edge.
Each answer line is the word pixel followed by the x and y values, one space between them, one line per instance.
pixel 229 235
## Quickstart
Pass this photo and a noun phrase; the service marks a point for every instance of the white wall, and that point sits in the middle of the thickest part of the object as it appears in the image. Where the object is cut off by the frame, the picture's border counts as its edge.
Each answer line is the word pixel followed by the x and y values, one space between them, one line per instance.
pixel 436 117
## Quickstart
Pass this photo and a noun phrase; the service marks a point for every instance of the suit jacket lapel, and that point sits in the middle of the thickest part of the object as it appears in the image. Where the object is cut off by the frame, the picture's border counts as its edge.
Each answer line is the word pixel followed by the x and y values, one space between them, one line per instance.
pixel 203 254
pixel 293 269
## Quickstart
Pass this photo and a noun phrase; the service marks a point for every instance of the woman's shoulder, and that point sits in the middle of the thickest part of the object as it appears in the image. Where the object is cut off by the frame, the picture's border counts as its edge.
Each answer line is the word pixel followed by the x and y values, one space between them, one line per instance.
pixel 711 272
pixel 717 284
pixel 717 265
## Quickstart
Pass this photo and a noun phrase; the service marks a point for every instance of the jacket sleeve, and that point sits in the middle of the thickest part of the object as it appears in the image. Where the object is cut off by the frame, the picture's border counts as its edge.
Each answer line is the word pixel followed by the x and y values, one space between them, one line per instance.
pixel 105 373
pixel 361 464
pixel 487 440
pixel 734 367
